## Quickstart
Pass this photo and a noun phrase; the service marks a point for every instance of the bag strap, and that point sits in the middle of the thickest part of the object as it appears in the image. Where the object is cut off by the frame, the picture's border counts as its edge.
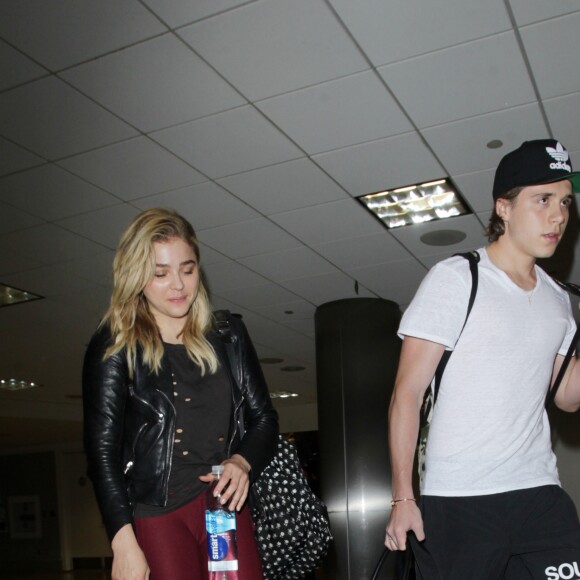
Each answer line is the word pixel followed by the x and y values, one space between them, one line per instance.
pixel 473 259
pixel 407 563
pixel 551 394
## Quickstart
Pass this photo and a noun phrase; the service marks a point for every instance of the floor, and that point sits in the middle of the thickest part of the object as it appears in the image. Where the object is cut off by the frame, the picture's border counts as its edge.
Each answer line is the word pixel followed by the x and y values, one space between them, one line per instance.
pixel 78 575
pixel 85 575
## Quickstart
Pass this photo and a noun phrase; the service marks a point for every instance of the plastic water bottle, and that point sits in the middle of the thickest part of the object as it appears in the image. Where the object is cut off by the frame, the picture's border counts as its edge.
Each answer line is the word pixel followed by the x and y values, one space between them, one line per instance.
pixel 220 524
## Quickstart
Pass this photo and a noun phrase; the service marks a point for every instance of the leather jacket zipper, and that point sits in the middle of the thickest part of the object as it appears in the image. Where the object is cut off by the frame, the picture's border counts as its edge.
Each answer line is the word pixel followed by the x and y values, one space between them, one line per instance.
pixel 131 462
pixel 236 425
pixel 171 433
pixel 158 414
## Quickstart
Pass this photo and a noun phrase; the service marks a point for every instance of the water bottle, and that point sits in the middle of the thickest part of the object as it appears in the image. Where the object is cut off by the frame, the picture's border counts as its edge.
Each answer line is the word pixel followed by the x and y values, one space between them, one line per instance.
pixel 220 524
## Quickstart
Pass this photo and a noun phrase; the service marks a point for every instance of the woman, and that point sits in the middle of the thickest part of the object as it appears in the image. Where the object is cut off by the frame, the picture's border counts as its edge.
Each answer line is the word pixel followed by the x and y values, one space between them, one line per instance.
pixel 161 406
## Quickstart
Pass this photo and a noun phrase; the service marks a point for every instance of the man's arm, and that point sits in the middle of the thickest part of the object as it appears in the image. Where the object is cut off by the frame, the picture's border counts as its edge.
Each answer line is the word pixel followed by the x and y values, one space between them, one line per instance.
pixel 417 365
pixel 568 395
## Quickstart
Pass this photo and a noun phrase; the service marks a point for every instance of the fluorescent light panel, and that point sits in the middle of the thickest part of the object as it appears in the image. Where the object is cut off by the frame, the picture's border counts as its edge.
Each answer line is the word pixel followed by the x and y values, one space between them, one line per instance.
pixel 10 296
pixel 282 395
pixel 415 204
pixel 16 385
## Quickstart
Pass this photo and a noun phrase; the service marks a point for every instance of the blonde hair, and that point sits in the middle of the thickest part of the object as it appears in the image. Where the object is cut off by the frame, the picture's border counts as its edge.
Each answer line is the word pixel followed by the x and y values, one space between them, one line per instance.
pixel 132 324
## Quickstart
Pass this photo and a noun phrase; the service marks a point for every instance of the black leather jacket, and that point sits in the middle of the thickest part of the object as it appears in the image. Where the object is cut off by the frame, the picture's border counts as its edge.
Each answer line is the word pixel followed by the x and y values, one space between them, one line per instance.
pixel 129 425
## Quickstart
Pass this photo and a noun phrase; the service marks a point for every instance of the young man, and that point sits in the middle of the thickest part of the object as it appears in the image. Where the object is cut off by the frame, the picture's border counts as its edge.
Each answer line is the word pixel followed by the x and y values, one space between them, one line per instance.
pixel 491 505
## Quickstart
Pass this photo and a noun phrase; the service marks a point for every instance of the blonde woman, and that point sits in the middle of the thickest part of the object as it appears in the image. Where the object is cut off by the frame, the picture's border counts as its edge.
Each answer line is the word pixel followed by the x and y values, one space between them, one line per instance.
pixel 161 407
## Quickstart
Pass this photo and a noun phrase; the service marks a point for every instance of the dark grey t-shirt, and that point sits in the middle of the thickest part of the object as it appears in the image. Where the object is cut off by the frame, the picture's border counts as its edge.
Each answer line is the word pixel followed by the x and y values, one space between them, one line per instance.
pixel 203 406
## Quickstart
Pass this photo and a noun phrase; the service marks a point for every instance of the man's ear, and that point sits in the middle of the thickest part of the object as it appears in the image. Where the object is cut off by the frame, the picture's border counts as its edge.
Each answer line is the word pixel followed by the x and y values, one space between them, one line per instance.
pixel 502 207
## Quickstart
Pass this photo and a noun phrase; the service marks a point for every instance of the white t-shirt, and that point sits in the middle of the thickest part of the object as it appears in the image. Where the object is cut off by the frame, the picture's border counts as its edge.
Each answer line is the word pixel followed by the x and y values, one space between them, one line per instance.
pixel 490 432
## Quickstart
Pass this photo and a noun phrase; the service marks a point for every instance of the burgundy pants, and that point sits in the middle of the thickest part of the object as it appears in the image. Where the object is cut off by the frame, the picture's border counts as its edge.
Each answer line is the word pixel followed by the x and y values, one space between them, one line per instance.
pixel 175 544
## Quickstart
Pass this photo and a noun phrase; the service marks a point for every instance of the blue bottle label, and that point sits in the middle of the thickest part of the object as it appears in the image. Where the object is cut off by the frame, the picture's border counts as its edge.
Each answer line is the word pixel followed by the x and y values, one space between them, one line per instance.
pixel 219 521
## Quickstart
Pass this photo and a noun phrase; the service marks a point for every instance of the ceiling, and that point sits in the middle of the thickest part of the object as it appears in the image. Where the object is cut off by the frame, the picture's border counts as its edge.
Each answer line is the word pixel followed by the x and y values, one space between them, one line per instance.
pixel 261 122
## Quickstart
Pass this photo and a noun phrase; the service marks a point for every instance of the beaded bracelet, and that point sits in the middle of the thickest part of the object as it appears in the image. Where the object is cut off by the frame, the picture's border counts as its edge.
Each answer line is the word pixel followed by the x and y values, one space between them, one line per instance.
pixel 394 502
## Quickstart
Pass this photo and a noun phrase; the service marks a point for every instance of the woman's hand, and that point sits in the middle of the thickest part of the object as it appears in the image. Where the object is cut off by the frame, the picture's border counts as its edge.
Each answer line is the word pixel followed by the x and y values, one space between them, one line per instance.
pixel 128 559
pixel 234 483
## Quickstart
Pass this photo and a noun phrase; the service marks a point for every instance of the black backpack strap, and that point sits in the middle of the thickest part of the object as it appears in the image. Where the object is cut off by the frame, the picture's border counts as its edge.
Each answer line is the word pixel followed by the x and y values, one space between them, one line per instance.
pixel 473 259
pixel 551 394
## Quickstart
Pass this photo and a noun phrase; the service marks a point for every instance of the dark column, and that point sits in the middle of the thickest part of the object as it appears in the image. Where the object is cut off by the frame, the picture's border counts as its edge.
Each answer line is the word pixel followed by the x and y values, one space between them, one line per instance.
pixel 357 352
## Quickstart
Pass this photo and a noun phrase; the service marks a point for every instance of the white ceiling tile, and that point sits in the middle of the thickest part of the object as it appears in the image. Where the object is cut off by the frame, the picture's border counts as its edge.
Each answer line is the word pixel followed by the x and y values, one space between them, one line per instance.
pixel 272 47
pixel 379 165
pixel 391 280
pixel 476 188
pixel 49 244
pixel 89 302
pixel 279 338
pixel 133 169
pixel 11 261
pixel 14 158
pixel 12 219
pixel 223 276
pixel 180 12
pixel 97 269
pixel 305 327
pixel 53 120
pixel 206 205
pixel 564 118
pixel 326 287
pixel 133 82
pixel 529 11
pixel 229 142
pixel 46 281
pixel 328 222
pixel 289 312
pixel 461 145
pixel 410 236
pixel 210 256
pixel 366 249
pixel 104 226
pixel 396 30
pixel 255 296
pixel 400 295
pixel 555 65
pixel 15 68
pixel 52 193
pixel 283 187
pixel 288 264
pixel 463 81
pixel 337 113
pixel 247 238
pixel 44 29
pixel 431 260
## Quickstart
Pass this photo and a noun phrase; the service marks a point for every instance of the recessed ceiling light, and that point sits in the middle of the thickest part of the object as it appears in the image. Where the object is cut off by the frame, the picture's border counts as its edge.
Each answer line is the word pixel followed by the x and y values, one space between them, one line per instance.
pixel 272 360
pixel 17 385
pixel 10 295
pixel 495 144
pixel 443 238
pixel 282 395
pixel 292 368
pixel 415 204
